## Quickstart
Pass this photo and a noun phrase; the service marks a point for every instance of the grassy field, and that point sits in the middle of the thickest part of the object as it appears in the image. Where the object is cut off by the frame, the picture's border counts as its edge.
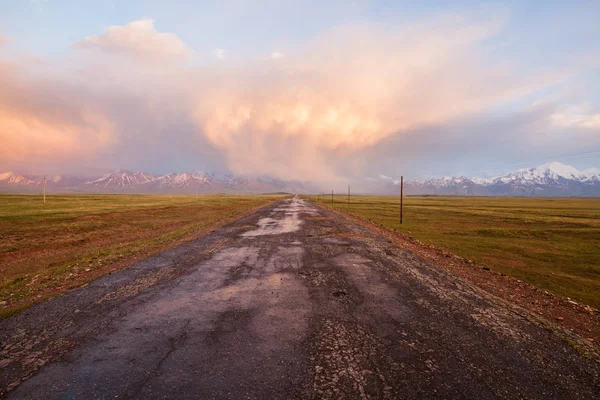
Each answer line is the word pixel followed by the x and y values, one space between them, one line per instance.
pixel 553 243
pixel 46 249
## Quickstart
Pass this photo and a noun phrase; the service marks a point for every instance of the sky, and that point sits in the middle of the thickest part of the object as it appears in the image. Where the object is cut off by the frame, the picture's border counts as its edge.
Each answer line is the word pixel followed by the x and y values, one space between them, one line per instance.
pixel 327 92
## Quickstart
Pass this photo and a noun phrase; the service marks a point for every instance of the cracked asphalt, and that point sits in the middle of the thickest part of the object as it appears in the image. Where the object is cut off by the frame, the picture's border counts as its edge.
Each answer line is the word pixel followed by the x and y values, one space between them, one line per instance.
pixel 293 301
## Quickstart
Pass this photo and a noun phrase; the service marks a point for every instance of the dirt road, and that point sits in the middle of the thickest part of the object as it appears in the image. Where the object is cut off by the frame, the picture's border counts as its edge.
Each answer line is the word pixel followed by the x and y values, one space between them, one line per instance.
pixel 291 302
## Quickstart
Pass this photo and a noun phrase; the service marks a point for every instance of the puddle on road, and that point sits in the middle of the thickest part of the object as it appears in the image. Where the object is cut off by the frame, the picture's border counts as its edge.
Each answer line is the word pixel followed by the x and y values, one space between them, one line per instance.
pixel 290 222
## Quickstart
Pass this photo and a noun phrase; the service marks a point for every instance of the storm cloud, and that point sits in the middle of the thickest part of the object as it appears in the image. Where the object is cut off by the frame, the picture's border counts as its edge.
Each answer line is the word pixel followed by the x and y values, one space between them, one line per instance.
pixel 358 100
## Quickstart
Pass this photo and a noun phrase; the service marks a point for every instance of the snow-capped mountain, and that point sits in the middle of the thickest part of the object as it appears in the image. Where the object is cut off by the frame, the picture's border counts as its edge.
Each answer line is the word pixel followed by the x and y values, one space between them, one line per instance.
pixel 121 181
pixel 550 173
pixel 184 180
pixel 121 178
pixel 552 179
pixel 13 179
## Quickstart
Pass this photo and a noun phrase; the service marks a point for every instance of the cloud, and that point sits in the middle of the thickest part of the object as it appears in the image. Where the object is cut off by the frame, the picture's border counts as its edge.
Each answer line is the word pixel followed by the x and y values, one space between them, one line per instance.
pixel 3 40
pixel 577 116
pixel 220 54
pixel 357 101
pixel 139 40
pixel 100 116
pixel 276 55
pixel 351 89
pixel 38 5
pixel 41 122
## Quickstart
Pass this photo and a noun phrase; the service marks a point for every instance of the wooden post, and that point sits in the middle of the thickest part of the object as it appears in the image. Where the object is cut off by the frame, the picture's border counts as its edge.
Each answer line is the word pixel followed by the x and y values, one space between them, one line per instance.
pixel 44 189
pixel 401 196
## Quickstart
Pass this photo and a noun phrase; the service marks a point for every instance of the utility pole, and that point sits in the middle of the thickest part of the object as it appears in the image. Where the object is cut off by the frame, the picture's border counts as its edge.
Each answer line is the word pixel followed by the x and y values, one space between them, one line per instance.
pixel 44 189
pixel 401 196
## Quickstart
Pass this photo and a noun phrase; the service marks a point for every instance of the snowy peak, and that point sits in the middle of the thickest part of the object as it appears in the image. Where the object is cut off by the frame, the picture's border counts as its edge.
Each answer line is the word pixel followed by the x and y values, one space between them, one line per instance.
pixel 551 172
pixel 560 169
pixel 184 180
pixel 591 173
pixel 482 181
pixel 120 178
pixel 551 179
pixel 11 178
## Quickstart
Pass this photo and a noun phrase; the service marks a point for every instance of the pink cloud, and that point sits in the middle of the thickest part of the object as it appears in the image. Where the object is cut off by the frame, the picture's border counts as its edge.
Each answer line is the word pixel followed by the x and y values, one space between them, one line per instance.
pixel 43 122
pixel 138 39
pixel 351 89
pixel 326 110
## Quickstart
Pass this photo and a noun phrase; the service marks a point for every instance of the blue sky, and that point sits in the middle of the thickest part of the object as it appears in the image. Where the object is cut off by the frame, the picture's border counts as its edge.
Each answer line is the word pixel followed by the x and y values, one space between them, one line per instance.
pixel 334 91
pixel 551 29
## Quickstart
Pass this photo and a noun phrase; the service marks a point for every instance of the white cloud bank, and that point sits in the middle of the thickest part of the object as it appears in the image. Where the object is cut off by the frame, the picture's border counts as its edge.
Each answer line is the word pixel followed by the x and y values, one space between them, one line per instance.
pixel 324 113
pixel 138 39
pixel 44 122
pixel 581 116
pixel 350 90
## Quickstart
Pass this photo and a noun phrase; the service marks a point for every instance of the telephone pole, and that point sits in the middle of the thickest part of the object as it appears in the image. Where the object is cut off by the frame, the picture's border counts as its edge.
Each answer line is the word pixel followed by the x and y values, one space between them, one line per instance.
pixel 401 196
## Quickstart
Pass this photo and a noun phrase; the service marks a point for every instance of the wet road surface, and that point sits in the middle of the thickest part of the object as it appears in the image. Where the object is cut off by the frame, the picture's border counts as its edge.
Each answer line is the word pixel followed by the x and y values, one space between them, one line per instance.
pixel 291 302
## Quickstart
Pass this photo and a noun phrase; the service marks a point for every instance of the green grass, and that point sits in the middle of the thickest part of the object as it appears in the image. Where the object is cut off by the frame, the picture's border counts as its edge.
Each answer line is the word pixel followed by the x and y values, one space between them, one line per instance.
pixel 553 243
pixel 46 249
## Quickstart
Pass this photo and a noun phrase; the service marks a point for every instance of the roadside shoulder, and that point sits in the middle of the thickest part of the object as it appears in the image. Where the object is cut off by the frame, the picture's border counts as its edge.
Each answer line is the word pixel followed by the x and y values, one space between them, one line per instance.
pixel 575 323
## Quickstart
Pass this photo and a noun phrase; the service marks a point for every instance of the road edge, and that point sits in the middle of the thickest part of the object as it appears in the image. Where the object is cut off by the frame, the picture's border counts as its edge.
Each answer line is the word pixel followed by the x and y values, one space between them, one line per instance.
pixel 574 334
pixel 131 260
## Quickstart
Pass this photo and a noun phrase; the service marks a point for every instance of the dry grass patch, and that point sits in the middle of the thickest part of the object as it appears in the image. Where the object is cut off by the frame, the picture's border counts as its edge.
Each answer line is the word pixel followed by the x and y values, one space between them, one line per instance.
pixel 49 248
pixel 553 243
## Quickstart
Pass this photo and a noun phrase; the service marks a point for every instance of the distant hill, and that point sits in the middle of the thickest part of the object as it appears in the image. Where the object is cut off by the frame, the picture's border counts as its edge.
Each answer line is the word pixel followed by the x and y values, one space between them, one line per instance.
pixel 120 181
pixel 552 179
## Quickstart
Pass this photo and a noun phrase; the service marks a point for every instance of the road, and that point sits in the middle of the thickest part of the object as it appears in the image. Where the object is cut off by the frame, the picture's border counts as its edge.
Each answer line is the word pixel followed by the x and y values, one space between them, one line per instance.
pixel 293 301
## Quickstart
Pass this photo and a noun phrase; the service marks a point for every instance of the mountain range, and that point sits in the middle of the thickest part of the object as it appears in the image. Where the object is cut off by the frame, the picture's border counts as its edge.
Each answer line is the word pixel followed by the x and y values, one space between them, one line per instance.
pixel 552 179
pixel 121 181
